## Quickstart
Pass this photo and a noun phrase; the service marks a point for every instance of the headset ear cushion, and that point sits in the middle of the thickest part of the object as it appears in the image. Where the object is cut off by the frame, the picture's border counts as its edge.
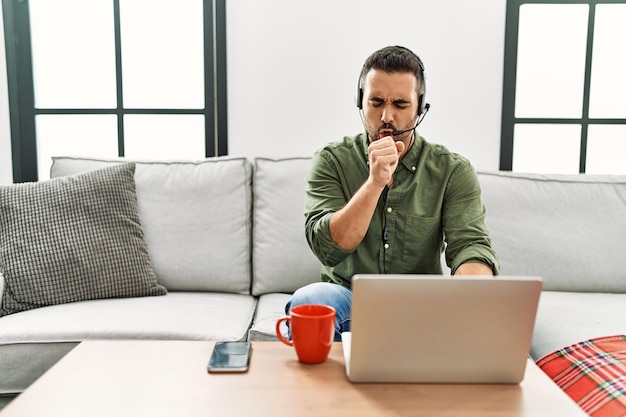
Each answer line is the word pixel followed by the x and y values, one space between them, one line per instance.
pixel 359 97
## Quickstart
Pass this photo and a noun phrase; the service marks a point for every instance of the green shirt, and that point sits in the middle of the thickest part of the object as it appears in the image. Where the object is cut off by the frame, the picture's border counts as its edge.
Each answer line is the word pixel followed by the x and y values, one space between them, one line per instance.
pixel 434 205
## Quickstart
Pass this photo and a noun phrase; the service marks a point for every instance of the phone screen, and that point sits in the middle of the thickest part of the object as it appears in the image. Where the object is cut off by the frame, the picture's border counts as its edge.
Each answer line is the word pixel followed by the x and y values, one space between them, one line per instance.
pixel 230 357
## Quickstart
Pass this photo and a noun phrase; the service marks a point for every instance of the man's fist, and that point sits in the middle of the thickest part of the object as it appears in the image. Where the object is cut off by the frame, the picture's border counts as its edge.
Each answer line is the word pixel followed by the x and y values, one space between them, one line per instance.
pixel 384 156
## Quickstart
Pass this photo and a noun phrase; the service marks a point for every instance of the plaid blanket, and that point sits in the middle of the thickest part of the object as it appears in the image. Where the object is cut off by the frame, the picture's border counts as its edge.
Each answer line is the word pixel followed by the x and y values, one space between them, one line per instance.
pixel 592 373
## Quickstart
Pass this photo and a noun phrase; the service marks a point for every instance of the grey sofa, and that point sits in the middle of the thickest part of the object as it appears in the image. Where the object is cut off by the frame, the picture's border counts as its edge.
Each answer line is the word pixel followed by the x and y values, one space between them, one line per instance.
pixel 571 231
pixel 225 236
pixel 226 239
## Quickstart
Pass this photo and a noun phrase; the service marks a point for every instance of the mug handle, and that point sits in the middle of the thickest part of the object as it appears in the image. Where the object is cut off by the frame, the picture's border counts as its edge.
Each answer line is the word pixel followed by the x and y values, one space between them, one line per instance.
pixel 279 334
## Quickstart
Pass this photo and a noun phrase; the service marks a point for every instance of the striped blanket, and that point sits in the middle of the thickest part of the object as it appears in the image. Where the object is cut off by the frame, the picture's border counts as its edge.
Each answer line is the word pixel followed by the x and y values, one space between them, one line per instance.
pixel 592 373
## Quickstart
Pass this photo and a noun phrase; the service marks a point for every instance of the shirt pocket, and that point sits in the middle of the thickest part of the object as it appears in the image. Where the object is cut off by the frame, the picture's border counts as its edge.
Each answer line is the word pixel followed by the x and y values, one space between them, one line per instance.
pixel 422 239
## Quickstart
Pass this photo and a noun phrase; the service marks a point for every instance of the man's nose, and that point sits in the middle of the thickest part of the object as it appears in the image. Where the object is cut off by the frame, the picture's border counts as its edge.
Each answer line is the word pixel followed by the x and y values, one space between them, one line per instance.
pixel 387 114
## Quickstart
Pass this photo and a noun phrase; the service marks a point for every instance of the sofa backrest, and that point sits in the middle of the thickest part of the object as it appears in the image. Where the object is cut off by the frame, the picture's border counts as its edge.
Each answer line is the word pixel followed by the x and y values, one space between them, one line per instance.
pixel 282 260
pixel 568 229
pixel 227 224
pixel 196 217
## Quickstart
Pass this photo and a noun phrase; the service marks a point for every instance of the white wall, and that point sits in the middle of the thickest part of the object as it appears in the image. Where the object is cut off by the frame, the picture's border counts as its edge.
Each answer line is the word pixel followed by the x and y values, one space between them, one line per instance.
pixel 6 170
pixel 293 68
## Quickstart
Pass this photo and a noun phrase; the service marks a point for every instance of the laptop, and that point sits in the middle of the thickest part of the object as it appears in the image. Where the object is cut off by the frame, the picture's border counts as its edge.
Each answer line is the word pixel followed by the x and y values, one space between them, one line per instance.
pixel 440 329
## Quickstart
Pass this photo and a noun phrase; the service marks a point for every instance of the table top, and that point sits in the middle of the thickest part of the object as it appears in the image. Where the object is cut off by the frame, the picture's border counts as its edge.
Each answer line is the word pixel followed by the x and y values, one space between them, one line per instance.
pixel 169 378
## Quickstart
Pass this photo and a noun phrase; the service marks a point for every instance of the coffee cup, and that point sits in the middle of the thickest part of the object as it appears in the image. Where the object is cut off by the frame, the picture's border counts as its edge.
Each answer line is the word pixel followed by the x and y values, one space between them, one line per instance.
pixel 312 328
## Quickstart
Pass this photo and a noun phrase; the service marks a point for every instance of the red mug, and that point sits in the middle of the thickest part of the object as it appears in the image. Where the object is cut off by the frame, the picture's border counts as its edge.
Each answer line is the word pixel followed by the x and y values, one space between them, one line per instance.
pixel 312 329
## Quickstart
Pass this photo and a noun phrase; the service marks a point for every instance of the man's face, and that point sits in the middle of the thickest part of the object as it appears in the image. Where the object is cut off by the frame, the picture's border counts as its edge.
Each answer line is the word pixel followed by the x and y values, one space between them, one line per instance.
pixel 390 103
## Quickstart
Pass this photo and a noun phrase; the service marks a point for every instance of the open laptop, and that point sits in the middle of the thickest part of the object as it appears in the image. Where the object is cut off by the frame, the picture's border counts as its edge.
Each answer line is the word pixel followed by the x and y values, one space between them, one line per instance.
pixel 440 329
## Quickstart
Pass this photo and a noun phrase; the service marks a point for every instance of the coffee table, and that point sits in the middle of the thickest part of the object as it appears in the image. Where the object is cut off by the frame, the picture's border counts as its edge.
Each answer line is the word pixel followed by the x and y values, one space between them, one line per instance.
pixel 169 378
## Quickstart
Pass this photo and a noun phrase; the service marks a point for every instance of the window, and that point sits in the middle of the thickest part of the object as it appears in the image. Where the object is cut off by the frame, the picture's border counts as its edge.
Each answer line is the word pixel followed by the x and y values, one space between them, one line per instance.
pixel 563 108
pixel 105 78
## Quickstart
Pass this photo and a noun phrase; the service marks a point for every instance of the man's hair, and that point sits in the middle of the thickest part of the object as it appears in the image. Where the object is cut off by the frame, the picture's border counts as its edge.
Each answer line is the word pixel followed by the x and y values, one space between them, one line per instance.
pixel 395 59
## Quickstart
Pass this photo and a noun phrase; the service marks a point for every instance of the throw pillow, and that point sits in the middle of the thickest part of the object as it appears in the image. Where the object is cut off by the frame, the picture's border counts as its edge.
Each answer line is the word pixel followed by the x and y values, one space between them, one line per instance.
pixel 73 238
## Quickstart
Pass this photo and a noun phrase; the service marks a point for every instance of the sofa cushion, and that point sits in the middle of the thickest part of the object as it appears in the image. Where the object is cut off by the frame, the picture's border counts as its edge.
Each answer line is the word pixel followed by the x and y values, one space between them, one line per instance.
pixel 270 308
pixel 196 219
pixel 32 341
pixel 282 259
pixel 73 238
pixel 565 318
pixel 568 229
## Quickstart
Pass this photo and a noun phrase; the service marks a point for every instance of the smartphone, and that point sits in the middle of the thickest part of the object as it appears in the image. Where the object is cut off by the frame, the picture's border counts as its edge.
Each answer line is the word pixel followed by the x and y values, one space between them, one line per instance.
pixel 230 357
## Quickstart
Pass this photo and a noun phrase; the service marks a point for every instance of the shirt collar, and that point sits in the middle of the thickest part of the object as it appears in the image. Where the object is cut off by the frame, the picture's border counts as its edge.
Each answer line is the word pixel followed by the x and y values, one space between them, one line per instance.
pixel 411 158
pixel 364 139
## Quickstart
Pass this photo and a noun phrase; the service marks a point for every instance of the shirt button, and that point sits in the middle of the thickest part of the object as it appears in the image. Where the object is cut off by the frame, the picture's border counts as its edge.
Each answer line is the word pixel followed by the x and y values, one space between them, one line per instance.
pixel 413 168
pixel 386 245
pixel 389 209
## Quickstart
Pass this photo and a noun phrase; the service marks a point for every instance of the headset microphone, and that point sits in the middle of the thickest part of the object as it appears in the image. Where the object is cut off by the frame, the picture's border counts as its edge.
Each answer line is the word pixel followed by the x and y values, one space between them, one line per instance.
pixel 419 120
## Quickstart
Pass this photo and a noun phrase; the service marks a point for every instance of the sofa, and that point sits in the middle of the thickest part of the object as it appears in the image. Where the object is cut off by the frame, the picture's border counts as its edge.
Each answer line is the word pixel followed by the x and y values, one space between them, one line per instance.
pixel 571 231
pixel 225 241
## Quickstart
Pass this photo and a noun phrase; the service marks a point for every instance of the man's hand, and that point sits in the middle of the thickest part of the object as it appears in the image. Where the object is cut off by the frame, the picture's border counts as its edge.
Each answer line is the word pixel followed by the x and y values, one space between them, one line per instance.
pixel 349 225
pixel 384 155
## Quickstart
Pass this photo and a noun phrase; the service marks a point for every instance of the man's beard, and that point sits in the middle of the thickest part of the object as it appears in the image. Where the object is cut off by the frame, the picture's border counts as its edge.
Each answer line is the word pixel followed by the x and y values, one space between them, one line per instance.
pixel 386 129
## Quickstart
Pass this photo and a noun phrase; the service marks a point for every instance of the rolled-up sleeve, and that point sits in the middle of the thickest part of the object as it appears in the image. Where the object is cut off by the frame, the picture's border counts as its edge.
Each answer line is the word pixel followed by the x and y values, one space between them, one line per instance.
pixel 324 197
pixel 465 230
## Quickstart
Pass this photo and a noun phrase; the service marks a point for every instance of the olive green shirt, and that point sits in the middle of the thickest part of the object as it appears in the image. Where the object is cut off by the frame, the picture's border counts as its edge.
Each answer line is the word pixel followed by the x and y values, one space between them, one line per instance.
pixel 434 205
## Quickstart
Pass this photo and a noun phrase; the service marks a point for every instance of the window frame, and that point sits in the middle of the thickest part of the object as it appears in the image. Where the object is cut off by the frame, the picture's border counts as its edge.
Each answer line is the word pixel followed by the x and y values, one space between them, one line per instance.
pixel 510 78
pixel 21 86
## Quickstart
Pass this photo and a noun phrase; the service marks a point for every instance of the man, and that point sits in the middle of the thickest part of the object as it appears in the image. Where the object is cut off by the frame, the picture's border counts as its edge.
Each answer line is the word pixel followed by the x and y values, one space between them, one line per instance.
pixel 387 201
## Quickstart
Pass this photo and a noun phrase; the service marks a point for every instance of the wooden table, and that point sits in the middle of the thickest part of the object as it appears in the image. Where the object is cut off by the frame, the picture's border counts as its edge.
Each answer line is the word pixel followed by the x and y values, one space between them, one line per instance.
pixel 169 378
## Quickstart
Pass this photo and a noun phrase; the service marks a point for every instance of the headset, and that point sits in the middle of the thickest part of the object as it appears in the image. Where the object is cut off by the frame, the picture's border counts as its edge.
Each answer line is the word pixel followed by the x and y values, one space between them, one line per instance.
pixel 422 106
